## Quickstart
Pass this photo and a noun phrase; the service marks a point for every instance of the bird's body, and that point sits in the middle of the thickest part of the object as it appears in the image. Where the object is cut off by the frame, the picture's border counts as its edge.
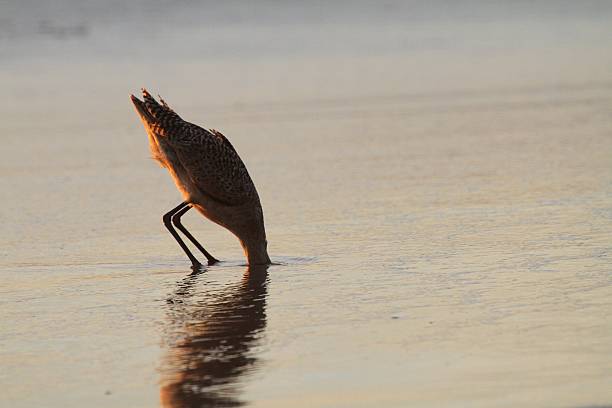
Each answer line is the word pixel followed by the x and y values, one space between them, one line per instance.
pixel 209 173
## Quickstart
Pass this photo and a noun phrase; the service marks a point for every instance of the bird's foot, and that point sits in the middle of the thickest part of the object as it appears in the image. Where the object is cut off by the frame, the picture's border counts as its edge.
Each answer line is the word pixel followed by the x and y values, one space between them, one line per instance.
pixel 212 261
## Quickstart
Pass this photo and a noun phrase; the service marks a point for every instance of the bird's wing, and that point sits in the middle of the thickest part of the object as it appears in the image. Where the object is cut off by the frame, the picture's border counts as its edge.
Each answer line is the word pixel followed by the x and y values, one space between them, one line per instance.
pixel 208 157
pixel 214 165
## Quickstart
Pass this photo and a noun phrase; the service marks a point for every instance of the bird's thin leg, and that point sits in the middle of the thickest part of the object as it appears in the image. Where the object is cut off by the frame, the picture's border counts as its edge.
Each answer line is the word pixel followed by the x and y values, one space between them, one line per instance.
pixel 168 223
pixel 176 220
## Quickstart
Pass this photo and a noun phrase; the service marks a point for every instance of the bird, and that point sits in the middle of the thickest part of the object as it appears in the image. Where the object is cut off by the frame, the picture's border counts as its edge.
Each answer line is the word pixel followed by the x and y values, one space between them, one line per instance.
pixel 211 177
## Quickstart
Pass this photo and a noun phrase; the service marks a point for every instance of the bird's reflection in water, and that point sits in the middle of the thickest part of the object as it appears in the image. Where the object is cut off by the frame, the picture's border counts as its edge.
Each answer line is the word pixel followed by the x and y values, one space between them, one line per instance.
pixel 213 331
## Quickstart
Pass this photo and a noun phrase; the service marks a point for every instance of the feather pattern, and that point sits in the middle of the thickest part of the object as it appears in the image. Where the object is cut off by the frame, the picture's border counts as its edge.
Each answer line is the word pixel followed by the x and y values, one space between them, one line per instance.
pixel 206 156
pixel 209 173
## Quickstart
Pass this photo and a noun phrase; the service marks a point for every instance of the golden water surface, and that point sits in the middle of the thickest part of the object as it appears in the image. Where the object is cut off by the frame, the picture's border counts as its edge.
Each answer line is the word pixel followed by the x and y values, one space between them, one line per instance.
pixel 436 179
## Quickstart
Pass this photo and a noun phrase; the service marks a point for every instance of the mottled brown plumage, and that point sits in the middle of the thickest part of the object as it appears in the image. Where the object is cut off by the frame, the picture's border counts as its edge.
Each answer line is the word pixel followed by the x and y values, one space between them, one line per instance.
pixel 210 174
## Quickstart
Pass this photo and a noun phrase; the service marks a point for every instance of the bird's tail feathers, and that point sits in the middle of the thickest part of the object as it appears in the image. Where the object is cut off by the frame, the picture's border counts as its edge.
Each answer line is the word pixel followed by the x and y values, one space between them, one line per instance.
pixel 152 111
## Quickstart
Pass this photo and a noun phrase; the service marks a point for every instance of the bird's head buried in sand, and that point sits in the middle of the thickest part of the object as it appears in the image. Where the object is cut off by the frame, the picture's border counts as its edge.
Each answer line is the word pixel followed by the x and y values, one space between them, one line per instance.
pixel 210 175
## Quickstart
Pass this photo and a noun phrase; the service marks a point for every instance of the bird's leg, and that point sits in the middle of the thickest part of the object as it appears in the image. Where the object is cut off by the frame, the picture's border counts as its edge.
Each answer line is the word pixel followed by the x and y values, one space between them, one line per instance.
pixel 176 220
pixel 168 223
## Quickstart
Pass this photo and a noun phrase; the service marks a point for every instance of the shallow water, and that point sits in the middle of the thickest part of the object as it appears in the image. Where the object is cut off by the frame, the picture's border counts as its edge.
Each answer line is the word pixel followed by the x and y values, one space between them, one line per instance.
pixel 436 181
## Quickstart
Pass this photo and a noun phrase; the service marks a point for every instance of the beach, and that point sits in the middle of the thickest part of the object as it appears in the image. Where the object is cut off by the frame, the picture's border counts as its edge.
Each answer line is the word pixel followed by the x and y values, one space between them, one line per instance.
pixel 436 180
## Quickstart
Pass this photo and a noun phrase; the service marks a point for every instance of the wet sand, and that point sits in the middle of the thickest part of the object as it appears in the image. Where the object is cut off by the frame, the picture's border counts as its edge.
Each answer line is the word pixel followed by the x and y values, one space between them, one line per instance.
pixel 436 182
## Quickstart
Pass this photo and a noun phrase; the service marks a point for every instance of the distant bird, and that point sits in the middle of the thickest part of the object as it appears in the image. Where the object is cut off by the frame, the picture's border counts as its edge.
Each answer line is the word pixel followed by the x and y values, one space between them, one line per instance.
pixel 211 176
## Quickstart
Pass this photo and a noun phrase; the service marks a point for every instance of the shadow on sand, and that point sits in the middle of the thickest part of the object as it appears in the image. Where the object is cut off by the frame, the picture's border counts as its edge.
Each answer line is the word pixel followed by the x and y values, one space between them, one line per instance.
pixel 212 332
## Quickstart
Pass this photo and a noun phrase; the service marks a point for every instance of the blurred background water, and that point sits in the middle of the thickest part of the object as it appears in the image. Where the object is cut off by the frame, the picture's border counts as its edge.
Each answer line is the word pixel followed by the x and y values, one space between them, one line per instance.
pixel 436 179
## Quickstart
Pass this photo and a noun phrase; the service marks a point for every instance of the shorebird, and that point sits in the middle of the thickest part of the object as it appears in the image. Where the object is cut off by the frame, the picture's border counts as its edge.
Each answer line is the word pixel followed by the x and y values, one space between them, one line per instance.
pixel 211 177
